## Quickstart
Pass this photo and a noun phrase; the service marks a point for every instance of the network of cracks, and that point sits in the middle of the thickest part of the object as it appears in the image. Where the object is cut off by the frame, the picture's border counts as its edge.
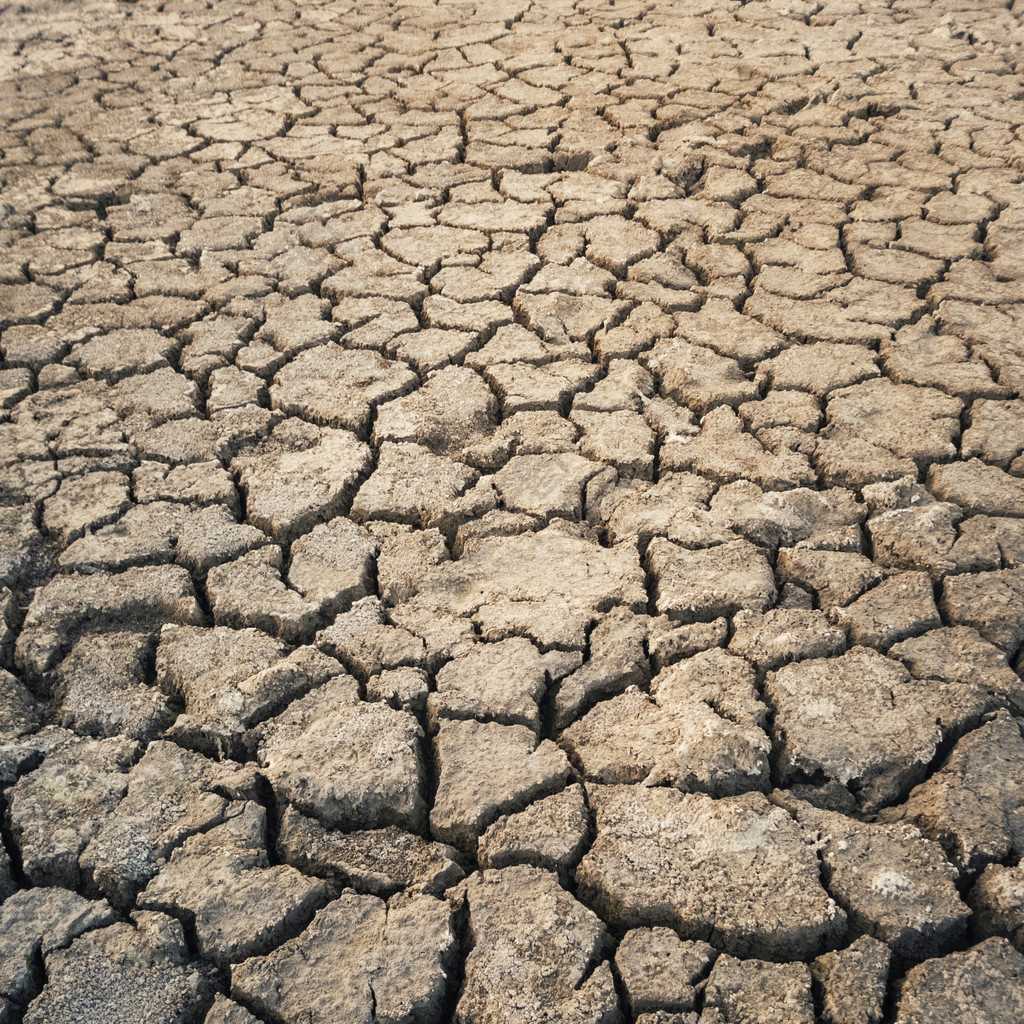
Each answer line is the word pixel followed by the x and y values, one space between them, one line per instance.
pixel 512 512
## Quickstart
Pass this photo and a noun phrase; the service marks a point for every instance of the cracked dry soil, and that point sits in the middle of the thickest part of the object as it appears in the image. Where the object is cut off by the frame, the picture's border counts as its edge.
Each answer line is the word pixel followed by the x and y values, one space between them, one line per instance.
pixel 512 512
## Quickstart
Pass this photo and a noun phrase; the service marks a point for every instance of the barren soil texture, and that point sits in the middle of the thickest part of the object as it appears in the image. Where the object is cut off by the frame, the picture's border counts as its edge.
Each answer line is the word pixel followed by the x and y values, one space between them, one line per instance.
pixel 512 512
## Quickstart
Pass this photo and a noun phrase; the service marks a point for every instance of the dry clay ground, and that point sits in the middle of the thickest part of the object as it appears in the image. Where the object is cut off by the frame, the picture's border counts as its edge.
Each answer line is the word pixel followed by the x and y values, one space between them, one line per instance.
pixel 512 513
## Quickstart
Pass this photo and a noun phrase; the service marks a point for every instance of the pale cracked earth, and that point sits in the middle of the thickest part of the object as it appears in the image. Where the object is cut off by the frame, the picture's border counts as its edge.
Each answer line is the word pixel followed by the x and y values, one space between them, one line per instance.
pixel 512 512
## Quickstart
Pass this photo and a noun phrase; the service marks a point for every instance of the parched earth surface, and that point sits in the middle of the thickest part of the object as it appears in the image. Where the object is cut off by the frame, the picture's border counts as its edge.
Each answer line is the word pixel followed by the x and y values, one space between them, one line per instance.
pixel 512 512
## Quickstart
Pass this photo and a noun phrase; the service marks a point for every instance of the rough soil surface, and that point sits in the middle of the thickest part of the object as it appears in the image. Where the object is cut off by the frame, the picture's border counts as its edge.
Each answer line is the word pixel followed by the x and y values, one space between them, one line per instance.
pixel 512 512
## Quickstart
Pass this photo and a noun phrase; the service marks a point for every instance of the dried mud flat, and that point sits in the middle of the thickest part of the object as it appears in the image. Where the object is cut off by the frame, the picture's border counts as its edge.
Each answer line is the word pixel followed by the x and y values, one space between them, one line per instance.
pixel 512 513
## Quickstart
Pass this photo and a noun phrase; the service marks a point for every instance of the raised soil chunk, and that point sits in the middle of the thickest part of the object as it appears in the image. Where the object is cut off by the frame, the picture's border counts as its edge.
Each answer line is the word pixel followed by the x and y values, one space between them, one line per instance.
pixel 249 593
pixel 364 640
pixel 172 794
pixel 859 725
pixel 565 321
pixel 624 389
pixel 25 482
pixel 782 635
pixel 960 654
pixel 404 556
pixel 927 537
pixel 536 953
pixel 433 348
pixel 427 247
pixel 231 388
pixel 545 485
pixel 20 540
pixel 899 607
pixel 990 602
pixel 54 811
pixel 226 1011
pixel 548 585
pixel 451 413
pixel 978 488
pixel 20 712
pixel 164 531
pixel 360 959
pixel 332 565
pixel 20 752
pixel 665 1017
pixel 551 833
pixel 984 984
pixel 916 423
pixel 84 503
pixel 992 542
pixel 486 769
pixel 853 982
pixel 698 377
pixel 702 732
pixel 793 409
pixel 69 606
pixel 660 971
pixel 412 485
pixel 37 922
pixel 198 484
pixel 404 687
pixel 336 387
pixel 819 368
pixel 695 586
pixel 630 738
pixel 997 901
pixel 219 234
pixel 144 218
pixel 639 330
pixel 894 884
pixel 502 682
pixel 102 691
pixel 996 433
pixel 291 487
pixel 377 861
pixel 497 275
pixel 137 972
pixel 736 872
pixel 894 266
pixel 920 355
pixel 674 508
pixel 189 440
pixel 724 452
pixel 617 661
pixel 757 992
pixel 346 761
pixel 621 440
pixel 614 243
pixel 836 577
pixel 801 517
pixel 231 680
pixel 856 463
pixel 514 344
pixel 718 326
pixel 939 241
pixel 121 353
pixel 814 320
pixel 523 387
pixel 971 805
pixel 222 884
pixel 537 432
pixel 496 523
